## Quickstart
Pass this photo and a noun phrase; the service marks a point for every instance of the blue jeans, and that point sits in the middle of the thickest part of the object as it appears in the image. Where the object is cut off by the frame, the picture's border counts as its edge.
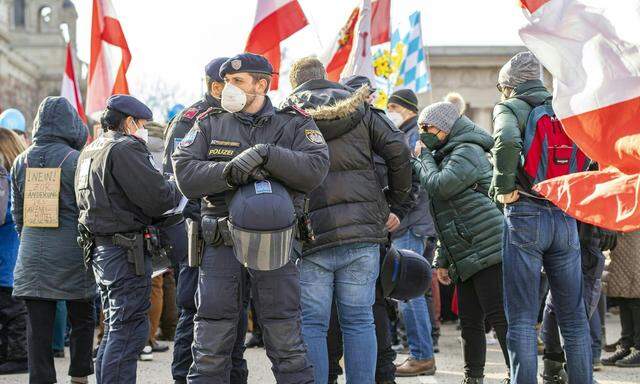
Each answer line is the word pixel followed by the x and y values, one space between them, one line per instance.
pixel 60 326
pixel 538 234
pixel 347 273
pixel 415 311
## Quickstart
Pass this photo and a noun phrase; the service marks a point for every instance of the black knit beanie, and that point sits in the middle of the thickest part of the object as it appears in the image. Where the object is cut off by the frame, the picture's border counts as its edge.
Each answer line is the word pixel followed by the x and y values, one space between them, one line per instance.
pixel 405 98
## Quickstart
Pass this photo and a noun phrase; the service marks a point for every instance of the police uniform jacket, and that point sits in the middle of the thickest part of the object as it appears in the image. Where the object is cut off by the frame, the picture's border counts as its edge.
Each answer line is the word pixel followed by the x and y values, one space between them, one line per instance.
pixel 180 125
pixel 298 157
pixel 117 187
pixel 176 131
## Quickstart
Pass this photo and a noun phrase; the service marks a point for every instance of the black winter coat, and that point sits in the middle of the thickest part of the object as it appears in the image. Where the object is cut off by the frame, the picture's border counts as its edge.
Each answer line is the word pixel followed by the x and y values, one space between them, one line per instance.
pixel 350 206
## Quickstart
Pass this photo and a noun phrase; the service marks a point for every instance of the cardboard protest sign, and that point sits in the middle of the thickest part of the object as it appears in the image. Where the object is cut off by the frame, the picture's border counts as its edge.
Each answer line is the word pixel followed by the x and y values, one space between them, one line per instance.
pixel 41 197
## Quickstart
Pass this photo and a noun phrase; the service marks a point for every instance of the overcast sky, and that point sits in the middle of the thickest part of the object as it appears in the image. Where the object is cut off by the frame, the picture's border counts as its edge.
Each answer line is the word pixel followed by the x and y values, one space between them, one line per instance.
pixel 173 40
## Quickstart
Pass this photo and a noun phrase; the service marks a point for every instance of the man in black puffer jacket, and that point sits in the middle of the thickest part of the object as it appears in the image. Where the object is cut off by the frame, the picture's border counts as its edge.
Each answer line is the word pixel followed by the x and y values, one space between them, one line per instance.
pixel 350 214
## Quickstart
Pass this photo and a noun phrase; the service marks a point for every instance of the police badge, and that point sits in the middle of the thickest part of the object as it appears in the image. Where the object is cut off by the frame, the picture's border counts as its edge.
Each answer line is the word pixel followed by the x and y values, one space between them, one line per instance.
pixel 314 136
pixel 236 64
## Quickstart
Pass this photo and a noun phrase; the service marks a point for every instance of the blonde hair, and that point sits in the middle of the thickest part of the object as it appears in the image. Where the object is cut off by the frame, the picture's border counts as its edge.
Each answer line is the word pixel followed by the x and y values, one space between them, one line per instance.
pixel 11 145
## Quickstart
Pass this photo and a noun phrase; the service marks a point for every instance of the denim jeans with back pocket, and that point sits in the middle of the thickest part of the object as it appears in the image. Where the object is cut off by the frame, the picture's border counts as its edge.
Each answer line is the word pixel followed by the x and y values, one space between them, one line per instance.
pixel 538 234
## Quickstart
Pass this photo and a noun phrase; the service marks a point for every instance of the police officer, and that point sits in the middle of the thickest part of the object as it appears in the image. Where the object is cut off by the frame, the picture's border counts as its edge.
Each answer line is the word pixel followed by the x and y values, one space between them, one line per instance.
pixel 119 192
pixel 224 150
pixel 184 121
pixel 187 281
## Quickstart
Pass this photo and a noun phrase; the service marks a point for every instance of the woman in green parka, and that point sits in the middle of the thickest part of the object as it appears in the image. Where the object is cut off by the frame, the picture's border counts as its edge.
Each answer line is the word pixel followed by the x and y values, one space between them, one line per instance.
pixel 454 168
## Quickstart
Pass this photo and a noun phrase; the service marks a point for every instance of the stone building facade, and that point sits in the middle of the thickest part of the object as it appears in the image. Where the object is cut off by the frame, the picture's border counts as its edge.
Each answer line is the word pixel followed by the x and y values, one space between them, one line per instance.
pixel 471 71
pixel 33 51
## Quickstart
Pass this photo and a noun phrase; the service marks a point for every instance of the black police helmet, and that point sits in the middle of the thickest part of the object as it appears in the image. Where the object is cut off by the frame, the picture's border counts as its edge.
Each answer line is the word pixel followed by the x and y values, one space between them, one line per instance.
pixel 262 206
pixel 404 274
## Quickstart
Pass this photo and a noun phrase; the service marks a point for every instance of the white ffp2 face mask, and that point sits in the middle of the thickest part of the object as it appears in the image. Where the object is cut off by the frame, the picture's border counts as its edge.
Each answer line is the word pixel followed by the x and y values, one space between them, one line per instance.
pixel 396 118
pixel 233 99
pixel 142 133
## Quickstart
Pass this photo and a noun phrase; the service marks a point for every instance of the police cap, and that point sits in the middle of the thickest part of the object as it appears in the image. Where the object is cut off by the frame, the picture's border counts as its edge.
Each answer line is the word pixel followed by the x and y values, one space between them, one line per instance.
pixel 213 69
pixel 130 106
pixel 246 62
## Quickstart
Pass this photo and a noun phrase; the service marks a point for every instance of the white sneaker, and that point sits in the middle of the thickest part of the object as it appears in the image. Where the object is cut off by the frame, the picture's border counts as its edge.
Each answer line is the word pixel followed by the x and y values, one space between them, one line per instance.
pixel 146 354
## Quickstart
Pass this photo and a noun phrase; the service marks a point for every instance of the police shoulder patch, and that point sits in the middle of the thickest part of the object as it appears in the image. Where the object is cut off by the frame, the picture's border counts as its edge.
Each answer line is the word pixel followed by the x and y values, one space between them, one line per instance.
pixel 189 138
pixel 314 136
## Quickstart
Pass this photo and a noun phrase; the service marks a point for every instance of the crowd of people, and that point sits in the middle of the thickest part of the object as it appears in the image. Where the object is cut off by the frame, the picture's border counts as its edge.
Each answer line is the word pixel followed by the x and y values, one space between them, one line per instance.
pixel 239 213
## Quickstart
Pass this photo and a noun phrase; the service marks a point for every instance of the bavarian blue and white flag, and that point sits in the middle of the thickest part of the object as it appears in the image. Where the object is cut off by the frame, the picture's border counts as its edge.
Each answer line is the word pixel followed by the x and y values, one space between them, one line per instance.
pixel 414 70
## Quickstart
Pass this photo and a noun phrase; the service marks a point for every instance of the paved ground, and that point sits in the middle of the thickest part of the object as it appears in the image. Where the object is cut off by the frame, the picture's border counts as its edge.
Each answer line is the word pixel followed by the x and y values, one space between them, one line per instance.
pixel 449 363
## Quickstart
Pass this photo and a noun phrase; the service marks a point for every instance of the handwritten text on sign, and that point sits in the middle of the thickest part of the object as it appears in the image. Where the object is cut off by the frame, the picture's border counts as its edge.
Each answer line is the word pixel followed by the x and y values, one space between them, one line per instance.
pixel 41 197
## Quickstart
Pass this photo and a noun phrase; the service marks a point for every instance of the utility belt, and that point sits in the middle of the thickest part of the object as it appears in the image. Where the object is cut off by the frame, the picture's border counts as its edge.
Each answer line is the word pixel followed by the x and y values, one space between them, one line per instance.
pixel 135 243
pixel 211 230
pixel 215 231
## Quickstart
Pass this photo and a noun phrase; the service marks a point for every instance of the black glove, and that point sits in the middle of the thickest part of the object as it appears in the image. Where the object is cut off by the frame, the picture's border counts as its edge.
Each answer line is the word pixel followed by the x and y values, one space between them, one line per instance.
pixel 246 165
pixel 608 240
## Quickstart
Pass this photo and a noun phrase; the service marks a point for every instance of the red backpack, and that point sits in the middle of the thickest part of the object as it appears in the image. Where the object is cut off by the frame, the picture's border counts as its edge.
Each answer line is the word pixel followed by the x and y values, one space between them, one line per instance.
pixel 547 150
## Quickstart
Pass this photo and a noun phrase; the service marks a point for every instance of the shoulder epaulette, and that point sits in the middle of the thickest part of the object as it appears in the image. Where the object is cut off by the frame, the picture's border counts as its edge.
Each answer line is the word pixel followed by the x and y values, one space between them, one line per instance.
pixel 193 111
pixel 209 111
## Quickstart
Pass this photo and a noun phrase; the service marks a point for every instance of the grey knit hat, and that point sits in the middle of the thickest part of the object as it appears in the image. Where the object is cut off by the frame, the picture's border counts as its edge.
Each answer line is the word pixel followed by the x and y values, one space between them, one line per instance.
pixel 442 115
pixel 521 68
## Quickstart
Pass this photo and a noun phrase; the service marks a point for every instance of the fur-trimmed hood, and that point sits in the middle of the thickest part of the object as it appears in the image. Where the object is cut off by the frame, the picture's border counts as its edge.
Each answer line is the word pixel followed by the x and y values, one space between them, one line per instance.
pixel 335 109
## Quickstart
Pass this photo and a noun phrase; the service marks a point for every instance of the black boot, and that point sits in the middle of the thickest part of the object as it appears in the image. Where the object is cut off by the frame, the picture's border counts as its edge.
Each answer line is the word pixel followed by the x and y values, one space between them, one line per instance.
pixel 554 372
pixel 619 354
pixel 472 380
pixel 631 361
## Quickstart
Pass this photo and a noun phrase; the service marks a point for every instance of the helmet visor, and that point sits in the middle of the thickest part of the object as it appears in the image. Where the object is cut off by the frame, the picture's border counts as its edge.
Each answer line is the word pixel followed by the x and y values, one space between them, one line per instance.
pixel 261 250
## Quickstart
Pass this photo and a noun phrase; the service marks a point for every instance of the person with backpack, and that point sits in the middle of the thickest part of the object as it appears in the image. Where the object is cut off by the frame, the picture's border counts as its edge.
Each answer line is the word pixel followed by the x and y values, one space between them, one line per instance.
pixel 531 146
pixel 454 169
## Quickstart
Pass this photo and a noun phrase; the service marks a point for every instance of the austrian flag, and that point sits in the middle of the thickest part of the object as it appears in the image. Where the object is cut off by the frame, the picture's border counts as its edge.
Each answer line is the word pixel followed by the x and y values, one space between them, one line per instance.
pixel 275 21
pixel 591 47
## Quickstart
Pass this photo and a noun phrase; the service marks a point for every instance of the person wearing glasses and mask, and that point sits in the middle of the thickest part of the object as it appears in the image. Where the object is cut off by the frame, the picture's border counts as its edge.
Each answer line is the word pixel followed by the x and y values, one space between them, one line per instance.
pixel 119 192
pixel 454 169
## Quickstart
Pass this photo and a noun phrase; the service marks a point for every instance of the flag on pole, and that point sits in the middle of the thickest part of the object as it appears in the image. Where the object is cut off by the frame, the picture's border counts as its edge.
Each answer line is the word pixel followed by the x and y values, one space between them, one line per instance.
pixel 70 88
pixel 360 61
pixel 414 70
pixel 380 21
pixel 336 57
pixel 591 49
pixel 107 74
pixel 275 21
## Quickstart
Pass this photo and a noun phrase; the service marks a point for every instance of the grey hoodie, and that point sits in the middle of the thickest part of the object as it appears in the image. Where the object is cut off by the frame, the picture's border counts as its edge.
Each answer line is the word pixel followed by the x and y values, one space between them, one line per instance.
pixel 50 264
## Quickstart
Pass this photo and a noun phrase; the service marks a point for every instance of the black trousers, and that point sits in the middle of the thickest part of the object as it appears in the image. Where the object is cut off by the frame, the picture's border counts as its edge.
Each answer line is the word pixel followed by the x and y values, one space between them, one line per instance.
pixel 630 321
pixel 13 327
pixel 41 315
pixel 480 297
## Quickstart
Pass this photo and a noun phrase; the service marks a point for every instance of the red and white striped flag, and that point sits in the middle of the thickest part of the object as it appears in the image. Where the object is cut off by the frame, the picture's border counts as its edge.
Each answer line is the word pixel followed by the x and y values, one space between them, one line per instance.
pixel 360 61
pixel 337 56
pixel 107 74
pixel 70 88
pixel 275 21
pixel 591 49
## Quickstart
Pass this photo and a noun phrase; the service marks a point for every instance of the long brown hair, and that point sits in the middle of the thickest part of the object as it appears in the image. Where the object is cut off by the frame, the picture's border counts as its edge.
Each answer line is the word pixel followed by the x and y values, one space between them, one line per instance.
pixel 11 145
